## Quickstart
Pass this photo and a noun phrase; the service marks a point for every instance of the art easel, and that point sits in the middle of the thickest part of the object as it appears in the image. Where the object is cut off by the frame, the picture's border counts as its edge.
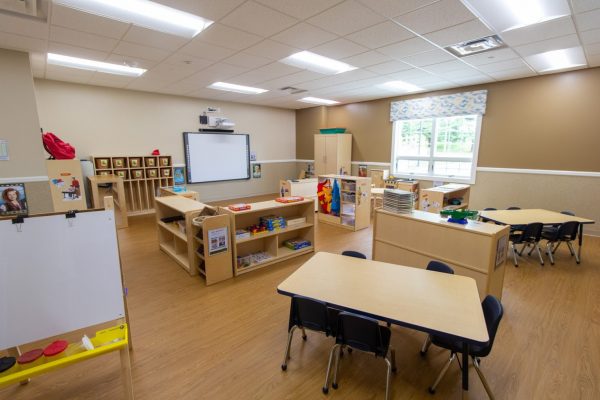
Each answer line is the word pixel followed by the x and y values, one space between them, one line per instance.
pixel 83 277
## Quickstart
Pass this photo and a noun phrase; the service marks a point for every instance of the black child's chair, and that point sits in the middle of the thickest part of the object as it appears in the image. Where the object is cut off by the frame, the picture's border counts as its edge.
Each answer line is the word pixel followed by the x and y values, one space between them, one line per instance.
pixel 492 311
pixel 355 254
pixel 566 232
pixel 309 314
pixel 364 334
pixel 436 266
pixel 529 236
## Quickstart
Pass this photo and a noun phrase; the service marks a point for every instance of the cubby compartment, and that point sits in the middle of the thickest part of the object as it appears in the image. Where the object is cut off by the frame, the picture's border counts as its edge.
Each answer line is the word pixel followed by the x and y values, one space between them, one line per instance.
pixel 119 162
pixel 150 162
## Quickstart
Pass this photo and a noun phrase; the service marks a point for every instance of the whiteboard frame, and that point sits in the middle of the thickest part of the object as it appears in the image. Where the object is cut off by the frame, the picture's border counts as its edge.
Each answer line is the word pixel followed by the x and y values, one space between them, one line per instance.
pixel 187 160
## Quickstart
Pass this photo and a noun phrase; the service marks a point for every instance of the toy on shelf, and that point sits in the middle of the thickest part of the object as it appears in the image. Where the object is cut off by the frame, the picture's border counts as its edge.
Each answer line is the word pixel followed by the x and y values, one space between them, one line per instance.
pixel 239 207
pixel 296 244
pixel 459 216
pixel 291 199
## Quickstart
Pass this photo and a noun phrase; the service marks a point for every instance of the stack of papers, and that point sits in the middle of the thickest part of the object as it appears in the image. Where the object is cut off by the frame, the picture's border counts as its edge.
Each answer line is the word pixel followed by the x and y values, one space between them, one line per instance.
pixel 398 201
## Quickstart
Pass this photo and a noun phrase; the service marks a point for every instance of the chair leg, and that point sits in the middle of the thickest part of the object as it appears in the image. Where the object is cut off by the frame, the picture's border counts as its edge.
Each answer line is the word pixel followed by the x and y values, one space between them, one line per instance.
pixel 537 248
pixel 303 333
pixel 525 245
pixel 549 252
pixel 286 357
pixel 514 251
pixel 393 359
pixel 442 373
pixel 388 378
pixel 573 252
pixel 331 355
pixel 556 247
pixel 334 384
pixel 482 378
pixel 426 345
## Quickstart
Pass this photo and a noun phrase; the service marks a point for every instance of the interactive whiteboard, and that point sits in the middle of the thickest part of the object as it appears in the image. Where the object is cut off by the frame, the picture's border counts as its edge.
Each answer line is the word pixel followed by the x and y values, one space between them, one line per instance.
pixel 211 157
pixel 58 275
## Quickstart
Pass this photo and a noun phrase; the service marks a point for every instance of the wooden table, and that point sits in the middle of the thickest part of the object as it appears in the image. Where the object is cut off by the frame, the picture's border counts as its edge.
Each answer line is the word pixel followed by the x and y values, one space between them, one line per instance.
pixel 120 201
pixel 415 298
pixel 376 196
pixel 528 216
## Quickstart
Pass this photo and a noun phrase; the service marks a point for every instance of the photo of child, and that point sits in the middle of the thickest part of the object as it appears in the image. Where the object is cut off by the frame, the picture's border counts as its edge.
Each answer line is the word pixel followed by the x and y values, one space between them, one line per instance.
pixel 256 171
pixel 13 200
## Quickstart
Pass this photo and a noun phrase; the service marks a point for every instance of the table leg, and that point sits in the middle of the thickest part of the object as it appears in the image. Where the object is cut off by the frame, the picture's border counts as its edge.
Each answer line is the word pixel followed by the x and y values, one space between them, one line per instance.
pixel 465 367
pixel 126 372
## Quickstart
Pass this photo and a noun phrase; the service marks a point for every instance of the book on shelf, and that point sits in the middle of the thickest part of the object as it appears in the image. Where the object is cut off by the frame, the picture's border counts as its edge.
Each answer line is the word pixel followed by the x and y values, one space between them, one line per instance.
pixel 239 207
pixel 291 199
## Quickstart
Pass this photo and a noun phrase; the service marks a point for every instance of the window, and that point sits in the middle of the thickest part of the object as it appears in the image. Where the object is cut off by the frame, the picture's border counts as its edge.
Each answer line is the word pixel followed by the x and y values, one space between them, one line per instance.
pixel 443 148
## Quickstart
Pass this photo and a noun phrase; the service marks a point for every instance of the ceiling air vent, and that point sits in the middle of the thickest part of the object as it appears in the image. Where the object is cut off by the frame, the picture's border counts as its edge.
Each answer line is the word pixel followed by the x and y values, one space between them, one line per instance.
pixel 29 8
pixel 476 46
pixel 292 90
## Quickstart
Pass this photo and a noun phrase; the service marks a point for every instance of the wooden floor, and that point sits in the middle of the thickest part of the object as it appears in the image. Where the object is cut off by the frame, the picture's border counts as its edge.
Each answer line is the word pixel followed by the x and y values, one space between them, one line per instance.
pixel 227 341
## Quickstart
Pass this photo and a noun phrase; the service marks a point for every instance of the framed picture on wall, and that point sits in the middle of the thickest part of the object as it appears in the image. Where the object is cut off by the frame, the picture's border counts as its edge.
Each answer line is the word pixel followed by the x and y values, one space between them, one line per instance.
pixel 362 170
pixel 13 200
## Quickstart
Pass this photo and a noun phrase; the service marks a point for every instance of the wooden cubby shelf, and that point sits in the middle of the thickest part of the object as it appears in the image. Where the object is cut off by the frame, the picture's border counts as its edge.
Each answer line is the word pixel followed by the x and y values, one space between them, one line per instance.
pixel 270 242
pixel 438 198
pixel 355 202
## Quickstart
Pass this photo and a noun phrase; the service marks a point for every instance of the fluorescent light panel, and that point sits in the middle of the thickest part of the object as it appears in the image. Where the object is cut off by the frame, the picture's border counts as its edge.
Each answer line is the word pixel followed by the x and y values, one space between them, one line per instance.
pixel 401 85
pixel 505 15
pixel 146 14
pixel 555 60
pixel 317 63
pixel 316 100
pixel 91 65
pixel 230 87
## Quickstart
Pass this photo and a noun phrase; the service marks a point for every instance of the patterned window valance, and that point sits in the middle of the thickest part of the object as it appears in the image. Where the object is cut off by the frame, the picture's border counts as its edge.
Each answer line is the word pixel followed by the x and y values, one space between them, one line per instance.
pixel 466 103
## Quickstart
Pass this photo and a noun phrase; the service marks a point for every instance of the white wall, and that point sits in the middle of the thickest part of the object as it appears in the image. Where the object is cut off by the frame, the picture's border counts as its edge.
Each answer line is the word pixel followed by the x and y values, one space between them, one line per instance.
pixel 106 121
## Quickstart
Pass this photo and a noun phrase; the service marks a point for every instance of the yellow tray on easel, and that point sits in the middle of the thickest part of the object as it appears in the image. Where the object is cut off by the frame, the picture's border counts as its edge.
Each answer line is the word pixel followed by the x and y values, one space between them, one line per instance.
pixel 105 341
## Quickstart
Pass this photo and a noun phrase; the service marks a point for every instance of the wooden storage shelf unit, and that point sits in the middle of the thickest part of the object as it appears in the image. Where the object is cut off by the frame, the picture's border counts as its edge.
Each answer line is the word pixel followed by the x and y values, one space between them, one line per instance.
pixel 270 242
pixel 439 198
pixel 142 175
pixel 477 249
pixel 188 247
pixel 355 202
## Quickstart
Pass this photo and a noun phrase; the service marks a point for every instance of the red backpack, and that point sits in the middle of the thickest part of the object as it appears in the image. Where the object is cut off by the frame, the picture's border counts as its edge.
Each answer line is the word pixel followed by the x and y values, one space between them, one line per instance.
pixel 57 149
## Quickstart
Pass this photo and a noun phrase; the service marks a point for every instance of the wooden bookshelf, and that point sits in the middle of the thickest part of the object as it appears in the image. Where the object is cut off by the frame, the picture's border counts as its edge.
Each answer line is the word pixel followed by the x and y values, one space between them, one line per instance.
pixel 439 198
pixel 213 265
pixel 143 176
pixel 355 202
pixel 270 242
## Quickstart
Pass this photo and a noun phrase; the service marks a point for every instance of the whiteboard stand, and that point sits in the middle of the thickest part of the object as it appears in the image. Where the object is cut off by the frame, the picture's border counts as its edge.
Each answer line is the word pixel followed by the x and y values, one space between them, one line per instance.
pixel 92 291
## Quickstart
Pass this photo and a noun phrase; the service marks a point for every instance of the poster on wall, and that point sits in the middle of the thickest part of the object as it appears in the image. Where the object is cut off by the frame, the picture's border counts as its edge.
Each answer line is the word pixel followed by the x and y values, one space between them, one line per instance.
pixel 13 200
pixel 501 250
pixel 256 173
pixel 178 176
pixel 69 186
pixel 217 241
pixel 362 170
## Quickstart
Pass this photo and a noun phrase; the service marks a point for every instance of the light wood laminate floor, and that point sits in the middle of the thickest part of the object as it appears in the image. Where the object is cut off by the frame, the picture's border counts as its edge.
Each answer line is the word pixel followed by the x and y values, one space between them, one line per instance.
pixel 227 341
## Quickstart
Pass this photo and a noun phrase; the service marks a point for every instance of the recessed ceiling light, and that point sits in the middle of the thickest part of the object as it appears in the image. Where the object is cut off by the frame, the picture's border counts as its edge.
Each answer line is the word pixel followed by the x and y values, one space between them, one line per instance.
pixel 143 13
pixel 557 59
pixel 401 85
pixel 505 15
pixel 316 100
pixel 317 63
pixel 476 46
pixel 230 87
pixel 91 65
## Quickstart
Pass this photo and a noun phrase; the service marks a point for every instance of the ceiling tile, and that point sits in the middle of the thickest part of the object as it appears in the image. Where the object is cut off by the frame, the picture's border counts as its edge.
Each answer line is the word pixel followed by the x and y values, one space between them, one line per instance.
pixel 464 73
pixel 206 50
pixel 340 48
pixel 82 39
pixel 338 79
pixel 475 80
pixel 380 35
pixel 345 18
pixel 22 43
pixel 447 66
pixel 588 20
pixel 149 37
pixel 247 60
pixel 225 36
pixel 300 9
pixel 389 67
pixel 266 73
pixel 491 56
pixel 592 49
pixel 437 16
pixel 196 63
pixel 513 73
pixel 409 75
pixel 75 51
pixel 535 33
pixel 258 19
pixel 471 30
pixel 271 50
pixel 296 80
pixel 211 9
pixel 394 8
pixel 366 59
pixel 137 50
pixel 168 73
pixel 543 46
pixel 407 48
pixel 23 26
pixel 131 61
pixel 590 37
pixel 85 22
pixel 304 36
pixel 580 6
pixel 503 65
pixel 428 58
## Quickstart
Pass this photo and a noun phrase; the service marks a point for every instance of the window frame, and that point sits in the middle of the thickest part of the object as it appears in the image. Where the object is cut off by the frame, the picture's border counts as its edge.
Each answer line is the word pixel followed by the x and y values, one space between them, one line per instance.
pixel 431 158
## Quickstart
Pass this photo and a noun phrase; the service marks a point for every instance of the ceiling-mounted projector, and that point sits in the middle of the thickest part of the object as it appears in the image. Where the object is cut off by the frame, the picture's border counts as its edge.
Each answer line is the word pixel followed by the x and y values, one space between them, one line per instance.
pixel 216 122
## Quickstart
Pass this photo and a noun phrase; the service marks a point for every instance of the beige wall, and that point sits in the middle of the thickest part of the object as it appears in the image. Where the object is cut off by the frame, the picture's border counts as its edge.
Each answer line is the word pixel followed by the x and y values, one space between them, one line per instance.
pixel 106 121
pixel 546 122
pixel 19 123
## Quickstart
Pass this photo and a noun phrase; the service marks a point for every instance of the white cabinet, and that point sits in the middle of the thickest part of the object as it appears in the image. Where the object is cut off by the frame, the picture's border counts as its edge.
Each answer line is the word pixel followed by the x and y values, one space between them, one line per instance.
pixel 333 154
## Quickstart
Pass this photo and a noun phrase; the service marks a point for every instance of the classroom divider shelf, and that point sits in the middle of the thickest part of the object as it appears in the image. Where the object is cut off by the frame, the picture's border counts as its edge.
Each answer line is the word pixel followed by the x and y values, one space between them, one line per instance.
pixel 355 199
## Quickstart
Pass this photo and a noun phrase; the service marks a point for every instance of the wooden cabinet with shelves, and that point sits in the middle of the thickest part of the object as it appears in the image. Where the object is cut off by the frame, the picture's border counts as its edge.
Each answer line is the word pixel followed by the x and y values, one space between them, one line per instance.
pixel 355 201
pixel 142 175
pixel 186 238
pixel 265 248
pixel 333 153
pixel 440 198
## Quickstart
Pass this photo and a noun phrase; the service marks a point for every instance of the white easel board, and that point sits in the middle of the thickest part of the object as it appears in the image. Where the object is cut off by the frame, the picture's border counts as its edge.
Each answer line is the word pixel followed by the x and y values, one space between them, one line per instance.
pixel 58 275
